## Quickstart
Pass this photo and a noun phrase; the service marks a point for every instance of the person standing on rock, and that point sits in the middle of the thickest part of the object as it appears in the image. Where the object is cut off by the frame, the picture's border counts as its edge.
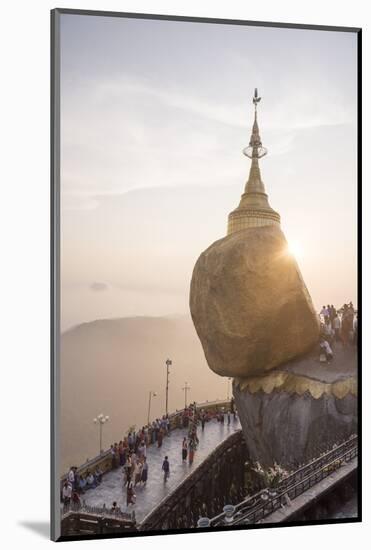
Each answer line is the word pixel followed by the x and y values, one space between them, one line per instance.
pixel 184 449
pixel 333 314
pixel 328 331
pixel 346 325
pixel 324 313
pixel 336 326
pixel 166 469
pixel 326 349
pixel 351 322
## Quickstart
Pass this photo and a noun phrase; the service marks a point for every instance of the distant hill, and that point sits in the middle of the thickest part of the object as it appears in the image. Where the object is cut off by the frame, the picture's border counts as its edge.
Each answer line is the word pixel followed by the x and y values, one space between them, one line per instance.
pixel 110 366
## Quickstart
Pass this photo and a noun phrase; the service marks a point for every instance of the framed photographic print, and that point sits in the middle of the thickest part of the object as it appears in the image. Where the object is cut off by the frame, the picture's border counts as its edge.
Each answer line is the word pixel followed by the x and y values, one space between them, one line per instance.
pixel 205 298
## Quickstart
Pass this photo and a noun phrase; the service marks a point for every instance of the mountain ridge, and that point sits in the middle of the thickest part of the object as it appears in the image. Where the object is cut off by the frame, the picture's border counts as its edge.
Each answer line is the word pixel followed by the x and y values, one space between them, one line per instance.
pixel 111 365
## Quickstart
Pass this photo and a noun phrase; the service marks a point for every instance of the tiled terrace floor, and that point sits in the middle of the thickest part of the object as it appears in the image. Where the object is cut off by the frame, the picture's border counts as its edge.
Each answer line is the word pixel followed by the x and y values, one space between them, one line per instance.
pixel 149 496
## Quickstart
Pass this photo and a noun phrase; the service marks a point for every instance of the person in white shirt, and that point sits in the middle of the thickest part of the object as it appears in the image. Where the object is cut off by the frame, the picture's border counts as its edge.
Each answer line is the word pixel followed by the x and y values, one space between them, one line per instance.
pixel 328 331
pixel 326 348
pixel 336 323
pixel 71 476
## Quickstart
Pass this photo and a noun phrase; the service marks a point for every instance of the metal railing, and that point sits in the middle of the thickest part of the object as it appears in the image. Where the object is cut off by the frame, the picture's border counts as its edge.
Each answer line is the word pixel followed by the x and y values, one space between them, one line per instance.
pixel 265 502
pixel 101 511
pixel 83 523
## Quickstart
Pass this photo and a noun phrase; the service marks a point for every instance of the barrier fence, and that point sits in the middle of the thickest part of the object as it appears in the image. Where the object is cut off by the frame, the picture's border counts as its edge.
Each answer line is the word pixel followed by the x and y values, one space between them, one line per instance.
pixel 214 478
pixel 267 501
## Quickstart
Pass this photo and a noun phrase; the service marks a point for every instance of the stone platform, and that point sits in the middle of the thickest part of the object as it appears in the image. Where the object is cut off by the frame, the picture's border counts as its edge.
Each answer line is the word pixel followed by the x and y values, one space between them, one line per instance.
pixel 308 374
pixel 148 497
pixel 343 365
pixel 299 410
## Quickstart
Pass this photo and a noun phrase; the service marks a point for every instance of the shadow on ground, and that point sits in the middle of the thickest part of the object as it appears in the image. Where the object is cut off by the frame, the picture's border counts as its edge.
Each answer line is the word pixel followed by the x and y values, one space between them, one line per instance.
pixel 41 528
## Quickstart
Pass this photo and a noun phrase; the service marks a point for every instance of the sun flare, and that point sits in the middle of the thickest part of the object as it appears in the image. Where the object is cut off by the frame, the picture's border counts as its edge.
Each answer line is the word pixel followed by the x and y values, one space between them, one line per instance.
pixel 296 250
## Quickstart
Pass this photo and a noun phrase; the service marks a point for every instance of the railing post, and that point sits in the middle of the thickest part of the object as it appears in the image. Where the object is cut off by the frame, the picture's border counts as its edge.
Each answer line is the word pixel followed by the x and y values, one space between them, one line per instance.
pixel 229 511
pixel 203 523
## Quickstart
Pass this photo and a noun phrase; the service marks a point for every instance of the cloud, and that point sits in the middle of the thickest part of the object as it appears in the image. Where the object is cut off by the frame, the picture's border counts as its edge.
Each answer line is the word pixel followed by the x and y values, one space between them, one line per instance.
pixel 98 287
pixel 122 133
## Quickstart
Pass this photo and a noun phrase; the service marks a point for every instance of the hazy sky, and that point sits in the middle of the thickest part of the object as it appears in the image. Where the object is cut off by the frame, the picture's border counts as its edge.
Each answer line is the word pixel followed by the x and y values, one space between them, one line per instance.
pixel 154 117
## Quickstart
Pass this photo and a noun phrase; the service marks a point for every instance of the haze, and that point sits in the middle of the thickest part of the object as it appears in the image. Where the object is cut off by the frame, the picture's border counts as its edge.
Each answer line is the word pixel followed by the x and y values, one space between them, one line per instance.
pixel 154 117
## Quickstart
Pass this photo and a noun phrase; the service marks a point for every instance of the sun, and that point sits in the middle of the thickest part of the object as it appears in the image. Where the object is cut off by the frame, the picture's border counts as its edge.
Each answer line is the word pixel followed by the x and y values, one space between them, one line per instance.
pixel 296 250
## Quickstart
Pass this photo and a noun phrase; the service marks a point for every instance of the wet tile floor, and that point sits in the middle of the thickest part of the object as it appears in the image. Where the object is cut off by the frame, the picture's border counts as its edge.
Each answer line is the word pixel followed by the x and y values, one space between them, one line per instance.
pixel 149 496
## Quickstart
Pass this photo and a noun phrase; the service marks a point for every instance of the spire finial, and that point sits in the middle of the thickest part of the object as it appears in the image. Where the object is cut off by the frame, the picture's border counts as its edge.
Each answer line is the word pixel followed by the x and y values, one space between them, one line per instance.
pixel 254 209
pixel 256 98
pixel 255 148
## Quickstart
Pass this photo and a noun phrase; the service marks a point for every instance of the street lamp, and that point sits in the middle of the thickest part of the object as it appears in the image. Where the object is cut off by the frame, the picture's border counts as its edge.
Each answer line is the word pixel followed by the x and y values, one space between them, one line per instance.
pixel 168 362
pixel 185 389
pixel 151 394
pixel 101 419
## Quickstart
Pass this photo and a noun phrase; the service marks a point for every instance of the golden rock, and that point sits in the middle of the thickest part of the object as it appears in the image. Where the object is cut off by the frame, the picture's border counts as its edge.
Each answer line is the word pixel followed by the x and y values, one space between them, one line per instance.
pixel 249 304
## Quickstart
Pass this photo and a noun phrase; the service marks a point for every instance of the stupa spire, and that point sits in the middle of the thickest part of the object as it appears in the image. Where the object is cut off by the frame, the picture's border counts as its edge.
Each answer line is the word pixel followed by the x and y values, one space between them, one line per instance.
pixel 254 209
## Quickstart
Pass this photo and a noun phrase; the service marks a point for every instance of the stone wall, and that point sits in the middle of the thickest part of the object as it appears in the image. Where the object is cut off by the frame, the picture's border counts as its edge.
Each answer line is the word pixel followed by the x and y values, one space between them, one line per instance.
pixel 217 481
pixel 291 429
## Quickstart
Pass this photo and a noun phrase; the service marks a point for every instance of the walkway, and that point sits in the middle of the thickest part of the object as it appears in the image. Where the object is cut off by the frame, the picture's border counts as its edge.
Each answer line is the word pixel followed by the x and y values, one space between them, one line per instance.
pixel 148 497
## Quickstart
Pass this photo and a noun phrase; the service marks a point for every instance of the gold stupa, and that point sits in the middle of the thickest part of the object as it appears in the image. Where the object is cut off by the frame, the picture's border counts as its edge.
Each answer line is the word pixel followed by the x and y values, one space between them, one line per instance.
pixel 254 209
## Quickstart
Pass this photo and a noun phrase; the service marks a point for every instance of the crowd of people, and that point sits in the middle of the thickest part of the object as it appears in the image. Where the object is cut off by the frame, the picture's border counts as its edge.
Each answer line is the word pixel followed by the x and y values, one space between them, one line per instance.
pixel 130 454
pixel 76 484
pixel 189 445
pixel 337 325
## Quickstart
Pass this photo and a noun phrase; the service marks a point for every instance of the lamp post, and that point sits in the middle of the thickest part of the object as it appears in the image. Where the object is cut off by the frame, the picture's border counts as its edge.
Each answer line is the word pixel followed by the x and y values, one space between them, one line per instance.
pixel 101 419
pixel 185 389
pixel 151 394
pixel 168 362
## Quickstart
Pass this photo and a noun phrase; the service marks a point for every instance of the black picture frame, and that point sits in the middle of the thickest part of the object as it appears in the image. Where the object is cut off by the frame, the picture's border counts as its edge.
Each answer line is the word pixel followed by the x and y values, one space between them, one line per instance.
pixel 55 256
